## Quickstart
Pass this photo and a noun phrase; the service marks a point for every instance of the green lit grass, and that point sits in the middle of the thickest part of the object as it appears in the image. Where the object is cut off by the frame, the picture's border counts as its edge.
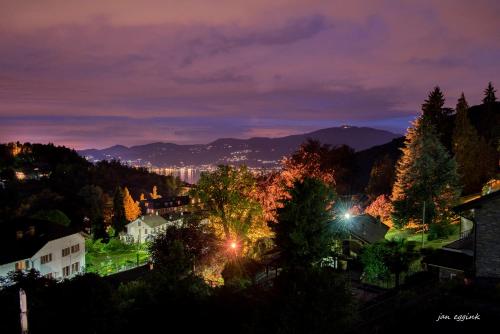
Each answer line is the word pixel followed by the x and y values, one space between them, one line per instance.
pixel 412 235
pixel 103 261
pixel 415 236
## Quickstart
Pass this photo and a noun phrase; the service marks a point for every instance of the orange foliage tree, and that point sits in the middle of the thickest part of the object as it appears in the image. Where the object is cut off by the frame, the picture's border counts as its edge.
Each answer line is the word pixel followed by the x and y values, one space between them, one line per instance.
pixel 132 209
pixel 154 194
pixel 311 160
pixel 381 208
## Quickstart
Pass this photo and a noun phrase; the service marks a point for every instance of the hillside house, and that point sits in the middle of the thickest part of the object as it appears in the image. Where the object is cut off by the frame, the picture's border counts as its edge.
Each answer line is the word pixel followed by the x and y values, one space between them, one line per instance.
pixel 478 247
pixel 146 228
pixel 166 207
pixel 363 229
pixel 54 251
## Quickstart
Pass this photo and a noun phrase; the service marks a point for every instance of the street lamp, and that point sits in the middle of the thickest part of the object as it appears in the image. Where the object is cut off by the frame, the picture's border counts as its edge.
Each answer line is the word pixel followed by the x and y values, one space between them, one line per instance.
pixel 233 248
pixel 347 215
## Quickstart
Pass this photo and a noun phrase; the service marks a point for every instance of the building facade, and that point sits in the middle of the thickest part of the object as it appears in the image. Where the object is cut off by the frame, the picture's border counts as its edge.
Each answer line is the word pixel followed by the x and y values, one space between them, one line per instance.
pixel 169 206
pixel 477 251
pixel 146 228
pixel 59 258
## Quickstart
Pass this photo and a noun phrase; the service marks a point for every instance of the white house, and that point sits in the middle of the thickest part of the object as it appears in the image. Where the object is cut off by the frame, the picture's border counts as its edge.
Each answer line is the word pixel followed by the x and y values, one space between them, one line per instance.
pixel 55 252
pixel 145 228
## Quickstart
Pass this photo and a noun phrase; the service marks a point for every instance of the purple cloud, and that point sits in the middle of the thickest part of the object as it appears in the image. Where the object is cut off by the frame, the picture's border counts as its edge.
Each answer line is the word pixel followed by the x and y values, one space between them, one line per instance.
pixel 84 76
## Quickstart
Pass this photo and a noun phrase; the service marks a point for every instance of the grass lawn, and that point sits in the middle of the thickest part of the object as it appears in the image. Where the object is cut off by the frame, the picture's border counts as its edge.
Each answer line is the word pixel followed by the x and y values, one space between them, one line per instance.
pixel 412 235
pixel 104 260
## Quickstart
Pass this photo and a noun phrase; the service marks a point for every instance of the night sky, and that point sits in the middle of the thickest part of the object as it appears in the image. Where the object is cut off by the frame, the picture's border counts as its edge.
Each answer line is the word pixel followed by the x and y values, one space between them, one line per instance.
pixel 95 73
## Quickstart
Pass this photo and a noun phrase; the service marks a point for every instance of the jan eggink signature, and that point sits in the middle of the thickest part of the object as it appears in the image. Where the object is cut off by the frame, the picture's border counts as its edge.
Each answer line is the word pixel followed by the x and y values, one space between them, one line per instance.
pixel 458 317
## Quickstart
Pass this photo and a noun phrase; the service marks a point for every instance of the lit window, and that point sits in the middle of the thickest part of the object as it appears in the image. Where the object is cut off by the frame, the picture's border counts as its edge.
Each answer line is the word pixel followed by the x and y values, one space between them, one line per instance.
pixel 21 265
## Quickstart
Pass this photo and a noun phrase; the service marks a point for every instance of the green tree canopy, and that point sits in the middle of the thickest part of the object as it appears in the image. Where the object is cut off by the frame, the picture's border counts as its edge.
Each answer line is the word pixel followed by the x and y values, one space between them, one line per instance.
pixel 118 219
pixel 227 195
pixel 388 257
pixel 303 232
pixel 53 216
pixel 92 202
pixel 181 250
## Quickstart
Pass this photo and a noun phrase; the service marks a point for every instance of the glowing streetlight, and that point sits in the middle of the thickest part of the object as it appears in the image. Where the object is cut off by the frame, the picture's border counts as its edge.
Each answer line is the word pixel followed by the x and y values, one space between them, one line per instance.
pixel 347 215
pixel 232 248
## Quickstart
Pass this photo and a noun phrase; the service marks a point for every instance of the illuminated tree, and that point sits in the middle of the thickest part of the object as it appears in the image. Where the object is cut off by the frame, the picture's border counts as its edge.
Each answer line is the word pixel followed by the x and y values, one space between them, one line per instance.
pixel 469 148
pixel 270 192
pixel 154 194
pixel 132 209
pixel 381 208
pixel 425 173
pixel 311 160
pixel 303 232
pixel 333 166
pixel 228 196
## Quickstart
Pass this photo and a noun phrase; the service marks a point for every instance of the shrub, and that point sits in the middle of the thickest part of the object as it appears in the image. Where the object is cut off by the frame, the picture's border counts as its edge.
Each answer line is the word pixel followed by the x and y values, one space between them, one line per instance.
pixel 116 245
pixel 439 231
pixel 53 216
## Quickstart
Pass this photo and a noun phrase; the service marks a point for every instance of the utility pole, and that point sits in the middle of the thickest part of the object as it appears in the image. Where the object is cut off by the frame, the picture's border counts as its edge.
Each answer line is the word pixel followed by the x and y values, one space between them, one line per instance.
pixel 24 311
pixel 423 224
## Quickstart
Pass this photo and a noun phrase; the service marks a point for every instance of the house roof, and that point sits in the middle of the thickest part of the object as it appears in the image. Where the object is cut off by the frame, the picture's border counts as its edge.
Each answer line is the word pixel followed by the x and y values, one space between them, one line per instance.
pixel 13 248
pixel 367 228
pixel 152 220
pixel 464 244
pixel 168 202
pixel 449 259
pixel 476 202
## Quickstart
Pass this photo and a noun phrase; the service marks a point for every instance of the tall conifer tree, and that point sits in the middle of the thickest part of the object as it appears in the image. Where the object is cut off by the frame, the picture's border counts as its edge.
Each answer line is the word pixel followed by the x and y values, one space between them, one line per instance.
pixel 439 116
pixel 469 148
pixel 425 173
pixel 489 94
pixel 118 219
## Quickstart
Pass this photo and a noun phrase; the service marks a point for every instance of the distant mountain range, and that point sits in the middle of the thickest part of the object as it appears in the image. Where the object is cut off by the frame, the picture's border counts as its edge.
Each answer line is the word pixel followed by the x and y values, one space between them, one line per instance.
pixel 254 152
